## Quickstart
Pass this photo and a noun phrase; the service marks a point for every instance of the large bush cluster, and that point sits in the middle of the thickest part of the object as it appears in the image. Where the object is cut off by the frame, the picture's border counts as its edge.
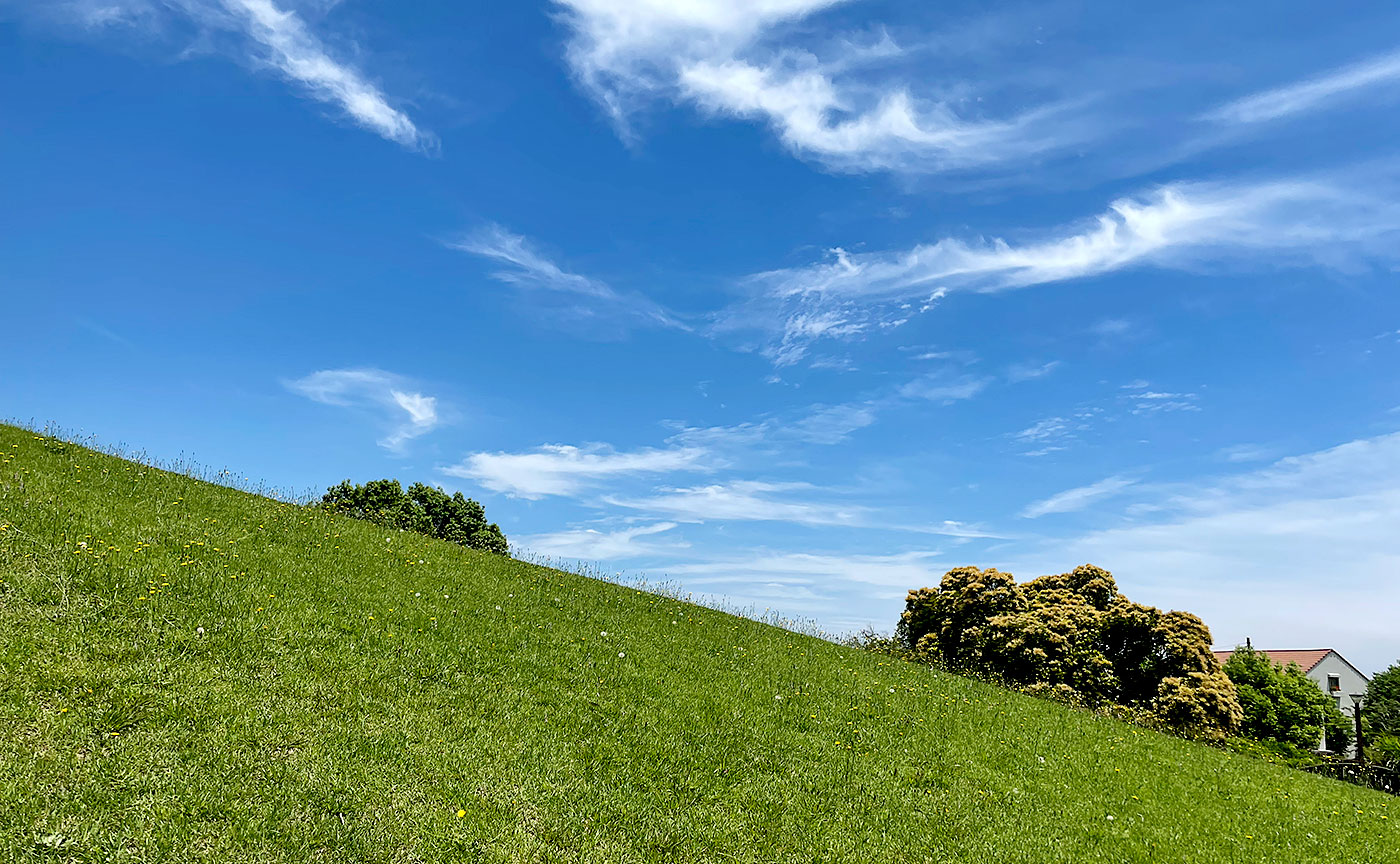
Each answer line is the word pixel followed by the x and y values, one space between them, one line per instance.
pixel 422 508
pixel 1282 704
pixel 1073 633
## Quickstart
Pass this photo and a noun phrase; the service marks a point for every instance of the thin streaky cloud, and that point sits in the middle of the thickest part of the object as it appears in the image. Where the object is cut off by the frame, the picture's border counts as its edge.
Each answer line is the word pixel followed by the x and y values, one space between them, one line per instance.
pixel 1241 549
pixel 591 544
pixel 1312 94
pixel 295 52
pixel 1078 498
pixel 1180 226
pixel 411 413
pixel 566 470
pixel 902 570
pixel 746 501
pixel 267 36
pixel 527 268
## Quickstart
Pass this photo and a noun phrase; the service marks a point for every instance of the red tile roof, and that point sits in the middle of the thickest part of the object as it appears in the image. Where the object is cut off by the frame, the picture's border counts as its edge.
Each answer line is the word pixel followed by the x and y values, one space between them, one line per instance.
pixel 1305 658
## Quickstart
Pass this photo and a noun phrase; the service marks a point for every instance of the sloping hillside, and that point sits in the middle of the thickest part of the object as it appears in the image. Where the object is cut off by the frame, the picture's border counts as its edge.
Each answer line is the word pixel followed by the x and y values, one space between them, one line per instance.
pixel 193 673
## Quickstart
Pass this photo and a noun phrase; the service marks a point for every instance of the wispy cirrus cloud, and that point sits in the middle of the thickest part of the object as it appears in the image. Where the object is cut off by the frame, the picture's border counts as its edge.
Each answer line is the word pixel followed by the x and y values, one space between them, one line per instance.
pixel 591 544
pixel 899 571
pixel 264 35
pixel 794 503
pixel 1253 552
pixel 299 56
pixel 832 424
pixel 576 298
pixel 944 387
pixel 1019 372
pixel 562 469
pixel 1078 498
pixel 1181 226
pixel 1312 94
pixel 410 413
pixel 835 103
pixel 747 501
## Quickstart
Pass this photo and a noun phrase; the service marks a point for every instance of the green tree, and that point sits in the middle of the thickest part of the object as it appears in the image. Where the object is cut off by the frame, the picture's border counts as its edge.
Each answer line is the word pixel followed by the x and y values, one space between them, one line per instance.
pixel 1282 704
pixel 1381 716
pixel 423 509
pixel 1382 708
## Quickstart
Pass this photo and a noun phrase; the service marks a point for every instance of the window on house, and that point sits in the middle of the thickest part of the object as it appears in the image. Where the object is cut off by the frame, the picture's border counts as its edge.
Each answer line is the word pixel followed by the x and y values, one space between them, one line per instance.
pixel 1334 684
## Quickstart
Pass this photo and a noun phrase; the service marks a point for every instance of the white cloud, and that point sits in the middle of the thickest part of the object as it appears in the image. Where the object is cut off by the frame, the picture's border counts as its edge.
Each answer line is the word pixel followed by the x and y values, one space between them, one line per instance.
pixel 1046 429
pixel 561 469
pixel 580 298
pixel 1299 554
pixel 1030 371
pixel 832 424
pixel 901 571
pixel 361 388
pixel 276 38
pixel 300 56
pixel 746 500
pixel 1071 500
pixel 1247 453
pixel 724 57
pixel 943 387
pixel 1157 402
pixel 1312 94
pixel 1180 226
pixel 590 544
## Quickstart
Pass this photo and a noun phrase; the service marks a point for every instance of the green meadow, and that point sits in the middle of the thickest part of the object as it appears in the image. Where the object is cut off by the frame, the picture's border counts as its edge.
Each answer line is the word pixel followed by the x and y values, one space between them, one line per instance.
pixel 194 673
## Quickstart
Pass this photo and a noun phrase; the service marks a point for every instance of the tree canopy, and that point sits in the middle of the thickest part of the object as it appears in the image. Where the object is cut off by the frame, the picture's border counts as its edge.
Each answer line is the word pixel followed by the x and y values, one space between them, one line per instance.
pixel 1382 715
pixel 424 509
pixel 1281 703
pixel 1074 632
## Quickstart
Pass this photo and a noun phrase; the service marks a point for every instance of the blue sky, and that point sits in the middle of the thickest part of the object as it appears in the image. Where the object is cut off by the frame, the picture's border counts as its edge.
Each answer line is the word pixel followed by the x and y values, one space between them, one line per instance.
pixel 795 302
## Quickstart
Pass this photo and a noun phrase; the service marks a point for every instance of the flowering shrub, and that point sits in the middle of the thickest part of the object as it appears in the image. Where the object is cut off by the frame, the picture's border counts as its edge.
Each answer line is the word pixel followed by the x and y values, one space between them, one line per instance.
pixel 1073 636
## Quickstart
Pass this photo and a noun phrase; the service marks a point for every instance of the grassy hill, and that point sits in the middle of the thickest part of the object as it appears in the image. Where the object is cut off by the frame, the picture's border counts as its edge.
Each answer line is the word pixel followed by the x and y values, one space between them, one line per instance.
pixel 190 672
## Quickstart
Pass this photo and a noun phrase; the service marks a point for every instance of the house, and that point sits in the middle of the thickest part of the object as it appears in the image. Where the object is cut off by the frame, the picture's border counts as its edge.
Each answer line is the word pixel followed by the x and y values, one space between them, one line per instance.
pixel 1328 669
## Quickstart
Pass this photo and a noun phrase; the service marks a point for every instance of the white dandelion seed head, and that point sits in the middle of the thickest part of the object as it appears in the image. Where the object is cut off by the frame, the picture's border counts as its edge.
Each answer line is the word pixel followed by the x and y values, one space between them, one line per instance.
pixel 779 697
pixel 622 653
pixel 604 634
pixel 199 630
pixel 1110 818
pixel 498 608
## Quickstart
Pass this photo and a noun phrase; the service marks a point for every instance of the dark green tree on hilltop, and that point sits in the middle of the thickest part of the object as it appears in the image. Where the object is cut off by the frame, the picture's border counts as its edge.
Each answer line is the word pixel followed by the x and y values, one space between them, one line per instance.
pixel 423 509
